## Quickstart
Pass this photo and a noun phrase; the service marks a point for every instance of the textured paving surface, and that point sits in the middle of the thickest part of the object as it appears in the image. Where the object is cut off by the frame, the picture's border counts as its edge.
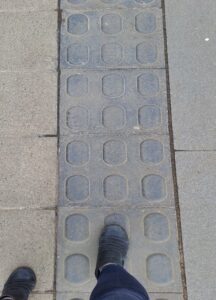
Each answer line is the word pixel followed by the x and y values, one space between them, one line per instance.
pixel 114 145
pixel 90 39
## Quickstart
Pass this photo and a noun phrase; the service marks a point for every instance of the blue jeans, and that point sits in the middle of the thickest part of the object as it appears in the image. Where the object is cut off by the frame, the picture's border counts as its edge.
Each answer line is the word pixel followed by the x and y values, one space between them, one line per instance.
pixel 115 283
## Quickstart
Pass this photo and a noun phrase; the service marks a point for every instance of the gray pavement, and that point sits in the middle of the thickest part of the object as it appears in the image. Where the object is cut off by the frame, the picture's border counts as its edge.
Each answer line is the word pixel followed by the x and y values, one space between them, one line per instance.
pixel 28 173
pixel 34 245
pixel 191 50
pixel 27 100
pixel 196 173
pixel 28 156
pixel 30 42
pixel 114 156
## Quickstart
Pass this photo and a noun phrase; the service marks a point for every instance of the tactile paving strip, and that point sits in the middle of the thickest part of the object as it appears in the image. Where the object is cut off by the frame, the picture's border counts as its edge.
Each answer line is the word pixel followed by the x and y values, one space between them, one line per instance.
pixel 153 265
pixel 113 102
pixel 100 39
pixel 115 171
pixel 114 160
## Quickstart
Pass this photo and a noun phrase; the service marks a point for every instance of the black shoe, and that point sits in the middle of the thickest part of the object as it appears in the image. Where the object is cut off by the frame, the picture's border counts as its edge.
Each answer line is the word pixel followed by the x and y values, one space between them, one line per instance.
pixel 113 247
pixel 20 283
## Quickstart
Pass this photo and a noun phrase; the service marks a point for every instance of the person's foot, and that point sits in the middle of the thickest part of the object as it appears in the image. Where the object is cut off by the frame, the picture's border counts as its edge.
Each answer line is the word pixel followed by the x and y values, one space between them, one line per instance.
pixel 113 247
pixel 19 284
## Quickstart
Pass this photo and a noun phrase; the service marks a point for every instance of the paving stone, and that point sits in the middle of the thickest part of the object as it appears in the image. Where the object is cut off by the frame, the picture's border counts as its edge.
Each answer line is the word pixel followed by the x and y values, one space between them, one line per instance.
pixel 12 5
pixel 85 296
pixel 115 171
pixel 41 297
pixel 28 238
pixel 28 103
pixel 191 46
pixel 196 174
pixel 28 172
pixel 96 4
pixel 113 102
pixel 28 40
pixel 166 296
pixel 152 234
pixel 112 39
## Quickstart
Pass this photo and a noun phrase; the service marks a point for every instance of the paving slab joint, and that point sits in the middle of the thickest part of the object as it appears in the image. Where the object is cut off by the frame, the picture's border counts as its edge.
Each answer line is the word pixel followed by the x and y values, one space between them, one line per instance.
pixel 59 16
pixel 173 160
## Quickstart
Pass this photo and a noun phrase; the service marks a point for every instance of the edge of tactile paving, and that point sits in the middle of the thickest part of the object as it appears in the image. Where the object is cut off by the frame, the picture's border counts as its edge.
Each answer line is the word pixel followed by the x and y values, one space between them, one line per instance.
pixel 172 150
pixel 83 244
pixel 98 4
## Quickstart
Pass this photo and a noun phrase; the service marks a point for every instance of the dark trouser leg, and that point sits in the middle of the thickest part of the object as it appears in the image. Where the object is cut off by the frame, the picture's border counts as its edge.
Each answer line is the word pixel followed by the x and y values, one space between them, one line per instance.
pixel 115 279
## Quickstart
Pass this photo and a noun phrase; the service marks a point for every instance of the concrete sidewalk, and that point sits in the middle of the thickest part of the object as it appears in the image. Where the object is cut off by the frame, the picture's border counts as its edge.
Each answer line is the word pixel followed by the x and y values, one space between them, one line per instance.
pixel 191 51
pixel 28 152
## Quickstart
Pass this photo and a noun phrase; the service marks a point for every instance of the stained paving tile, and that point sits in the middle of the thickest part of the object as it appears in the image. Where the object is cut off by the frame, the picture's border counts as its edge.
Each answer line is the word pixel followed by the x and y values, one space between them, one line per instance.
pixel 101 39
pixel 114 158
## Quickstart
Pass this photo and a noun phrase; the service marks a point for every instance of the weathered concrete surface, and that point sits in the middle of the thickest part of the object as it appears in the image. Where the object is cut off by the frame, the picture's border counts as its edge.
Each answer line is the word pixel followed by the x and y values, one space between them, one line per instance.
pixel 191 51
pixel 41 297
pixel 28 238
pixel 28 173
pixel 15 5
pixel 86 296
pixel 28 103
pixel 28 40
pixel 196 173
pixel 192 66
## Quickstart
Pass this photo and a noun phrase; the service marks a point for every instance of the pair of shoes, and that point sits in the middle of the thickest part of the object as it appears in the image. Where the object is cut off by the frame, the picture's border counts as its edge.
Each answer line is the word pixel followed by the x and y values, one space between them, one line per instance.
pixel 113 247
